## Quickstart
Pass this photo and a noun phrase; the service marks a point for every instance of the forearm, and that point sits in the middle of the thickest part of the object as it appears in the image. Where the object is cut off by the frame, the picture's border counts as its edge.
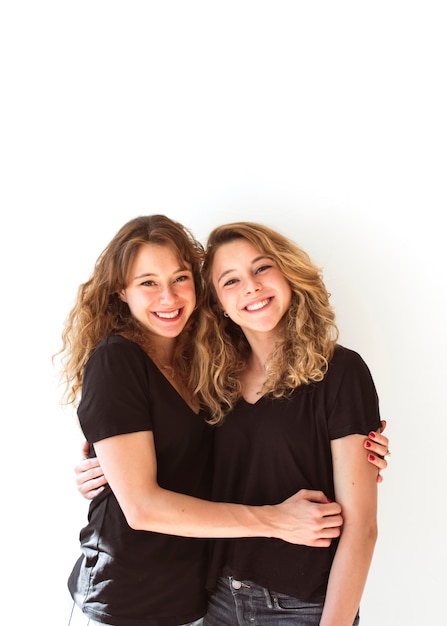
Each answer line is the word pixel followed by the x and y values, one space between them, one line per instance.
pixel 178 514
pixel 348 574
pixel 306 518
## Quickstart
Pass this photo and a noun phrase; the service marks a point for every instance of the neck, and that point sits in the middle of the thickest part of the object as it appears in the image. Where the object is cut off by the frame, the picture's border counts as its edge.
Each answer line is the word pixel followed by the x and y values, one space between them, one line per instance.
pixel 160 350
pixel 262 348
pixel 164 360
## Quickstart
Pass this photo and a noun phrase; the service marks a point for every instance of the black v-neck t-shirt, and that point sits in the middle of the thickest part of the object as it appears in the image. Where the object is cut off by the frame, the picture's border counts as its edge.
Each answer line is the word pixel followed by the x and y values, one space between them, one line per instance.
pixel 267 451
pixel 126 577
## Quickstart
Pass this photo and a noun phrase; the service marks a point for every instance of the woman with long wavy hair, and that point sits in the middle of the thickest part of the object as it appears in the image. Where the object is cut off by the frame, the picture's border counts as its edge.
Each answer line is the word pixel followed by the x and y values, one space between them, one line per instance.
pixel 291 408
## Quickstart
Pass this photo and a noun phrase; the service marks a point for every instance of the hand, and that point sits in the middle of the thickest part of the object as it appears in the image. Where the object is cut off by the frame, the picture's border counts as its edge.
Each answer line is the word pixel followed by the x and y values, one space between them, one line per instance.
pixel 314 520
pixel 377 446
pixel 89 476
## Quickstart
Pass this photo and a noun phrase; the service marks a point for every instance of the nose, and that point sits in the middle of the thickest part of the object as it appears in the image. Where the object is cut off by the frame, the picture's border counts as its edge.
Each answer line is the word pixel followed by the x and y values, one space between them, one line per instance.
pixel 167 295
pixel 252 284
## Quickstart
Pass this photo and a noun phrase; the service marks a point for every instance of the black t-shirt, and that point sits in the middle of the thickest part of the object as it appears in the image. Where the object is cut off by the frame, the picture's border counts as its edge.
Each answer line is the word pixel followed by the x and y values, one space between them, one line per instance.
pixel 139 578
pixel 267 451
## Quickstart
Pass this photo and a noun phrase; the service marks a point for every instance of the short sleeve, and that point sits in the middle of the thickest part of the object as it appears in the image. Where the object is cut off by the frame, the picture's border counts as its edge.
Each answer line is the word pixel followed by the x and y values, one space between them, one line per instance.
pixel 115 394
pixel 355 407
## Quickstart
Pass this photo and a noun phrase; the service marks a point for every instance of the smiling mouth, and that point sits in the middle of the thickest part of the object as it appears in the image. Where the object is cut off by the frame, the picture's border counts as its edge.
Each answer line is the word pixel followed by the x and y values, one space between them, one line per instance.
pixel 168 315
pixel 258 305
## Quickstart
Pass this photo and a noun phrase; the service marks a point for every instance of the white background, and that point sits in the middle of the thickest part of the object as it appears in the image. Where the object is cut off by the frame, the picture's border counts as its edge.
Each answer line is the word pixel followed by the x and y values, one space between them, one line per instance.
pixel 325 120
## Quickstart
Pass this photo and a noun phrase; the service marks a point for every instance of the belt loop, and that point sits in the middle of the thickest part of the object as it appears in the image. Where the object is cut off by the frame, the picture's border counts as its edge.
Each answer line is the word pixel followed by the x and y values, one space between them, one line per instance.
pixel 270 598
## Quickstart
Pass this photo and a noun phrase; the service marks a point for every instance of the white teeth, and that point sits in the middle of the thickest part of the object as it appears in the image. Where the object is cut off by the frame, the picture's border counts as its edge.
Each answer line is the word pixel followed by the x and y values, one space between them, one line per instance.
pixel 168 316
pixel 258 305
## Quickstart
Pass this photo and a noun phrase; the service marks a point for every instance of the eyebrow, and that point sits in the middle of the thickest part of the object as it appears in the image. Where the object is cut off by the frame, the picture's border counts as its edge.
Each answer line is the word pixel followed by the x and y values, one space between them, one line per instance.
pixel 151 274
pixel 145 275
pixel 255 260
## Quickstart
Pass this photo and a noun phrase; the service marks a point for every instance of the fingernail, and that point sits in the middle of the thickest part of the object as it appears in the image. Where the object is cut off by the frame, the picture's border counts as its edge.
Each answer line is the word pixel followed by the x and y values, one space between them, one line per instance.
pixel 372 435
pixel 371 457
pixel 368 444
pixel 329 500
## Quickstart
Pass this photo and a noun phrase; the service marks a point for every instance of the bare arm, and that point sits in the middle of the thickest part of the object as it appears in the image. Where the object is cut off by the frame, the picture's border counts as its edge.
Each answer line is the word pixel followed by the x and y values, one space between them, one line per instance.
pixel 356 491
pixel 129 463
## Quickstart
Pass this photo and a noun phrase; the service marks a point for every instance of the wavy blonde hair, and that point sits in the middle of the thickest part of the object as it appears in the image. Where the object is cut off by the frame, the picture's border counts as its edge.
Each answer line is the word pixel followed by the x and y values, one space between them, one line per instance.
pixel 307 343
pixel 99 311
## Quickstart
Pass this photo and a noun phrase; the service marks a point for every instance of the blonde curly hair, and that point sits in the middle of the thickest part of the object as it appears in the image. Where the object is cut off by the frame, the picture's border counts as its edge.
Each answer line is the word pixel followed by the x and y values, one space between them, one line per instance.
pixel 99 311
pixel 310 332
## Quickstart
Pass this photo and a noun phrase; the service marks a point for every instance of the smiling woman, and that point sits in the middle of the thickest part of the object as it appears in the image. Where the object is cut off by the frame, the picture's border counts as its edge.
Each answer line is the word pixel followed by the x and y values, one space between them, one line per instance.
pixel 292 407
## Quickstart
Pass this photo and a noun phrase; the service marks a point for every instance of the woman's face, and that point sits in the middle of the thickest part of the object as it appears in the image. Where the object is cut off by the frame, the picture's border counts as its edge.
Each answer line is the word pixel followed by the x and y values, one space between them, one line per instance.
pixel 160 294
pixel 250 287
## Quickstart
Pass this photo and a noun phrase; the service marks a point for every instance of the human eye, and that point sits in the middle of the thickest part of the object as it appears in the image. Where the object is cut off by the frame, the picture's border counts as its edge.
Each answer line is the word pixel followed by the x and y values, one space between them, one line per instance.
pixel 229 282
pixel 183 277
pixel 148 283
pixel 263 268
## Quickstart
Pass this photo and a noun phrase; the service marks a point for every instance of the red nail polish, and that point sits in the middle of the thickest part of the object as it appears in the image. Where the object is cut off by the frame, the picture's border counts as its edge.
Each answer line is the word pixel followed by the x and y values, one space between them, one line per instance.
pixel 372 435
pixel 329 500
pixel 371 457
pixel 368 444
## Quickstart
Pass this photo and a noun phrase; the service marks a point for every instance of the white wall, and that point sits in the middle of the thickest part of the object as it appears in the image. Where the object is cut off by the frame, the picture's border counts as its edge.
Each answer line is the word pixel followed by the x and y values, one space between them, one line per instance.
pixel 325 120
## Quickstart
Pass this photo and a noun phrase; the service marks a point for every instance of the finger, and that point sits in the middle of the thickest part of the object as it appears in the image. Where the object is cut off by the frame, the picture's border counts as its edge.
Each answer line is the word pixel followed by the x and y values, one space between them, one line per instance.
pixel 383 422
pixel 376 448
pixel 89 495
pixel 378 461
pixel 86 475
pixel 378 438
pixel 87 464
pixel 332 522
pixel 324 537
pixel 314 496
pixel 377 443
pixel 321 543
pixel 90 483
pixel 330 533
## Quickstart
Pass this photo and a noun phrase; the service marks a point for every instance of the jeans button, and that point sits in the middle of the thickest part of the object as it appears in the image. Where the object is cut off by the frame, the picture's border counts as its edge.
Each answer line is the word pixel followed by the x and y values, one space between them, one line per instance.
pixel 236 584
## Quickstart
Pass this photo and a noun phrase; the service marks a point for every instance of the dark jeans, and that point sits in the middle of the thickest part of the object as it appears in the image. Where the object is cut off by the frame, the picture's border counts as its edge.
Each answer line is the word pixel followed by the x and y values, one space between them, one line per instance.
pixel 243 603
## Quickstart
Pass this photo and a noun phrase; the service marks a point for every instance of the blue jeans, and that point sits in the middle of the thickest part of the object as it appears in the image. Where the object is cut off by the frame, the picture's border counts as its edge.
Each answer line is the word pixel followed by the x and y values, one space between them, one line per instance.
pixel 243 603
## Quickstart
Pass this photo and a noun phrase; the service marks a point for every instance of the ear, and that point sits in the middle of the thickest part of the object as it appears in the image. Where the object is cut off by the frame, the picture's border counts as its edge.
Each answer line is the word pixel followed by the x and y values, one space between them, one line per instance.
pixel 122 295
